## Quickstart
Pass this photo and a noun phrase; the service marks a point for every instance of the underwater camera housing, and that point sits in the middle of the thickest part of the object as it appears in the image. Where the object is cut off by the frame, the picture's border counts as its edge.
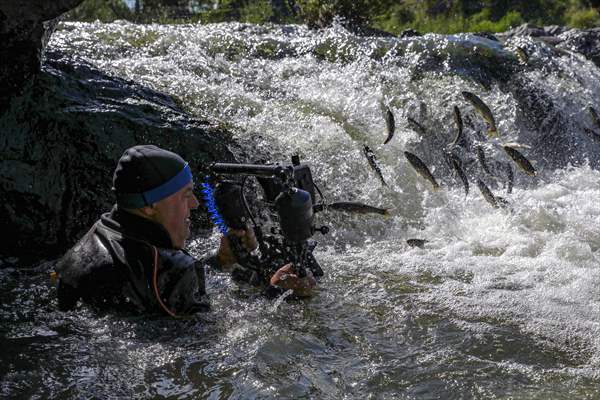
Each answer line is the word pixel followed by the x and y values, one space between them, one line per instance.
pixel 289 196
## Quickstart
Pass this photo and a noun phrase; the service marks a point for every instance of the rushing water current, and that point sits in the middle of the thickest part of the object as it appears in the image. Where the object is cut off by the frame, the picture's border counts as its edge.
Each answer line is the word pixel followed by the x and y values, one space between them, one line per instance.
pixel 499 303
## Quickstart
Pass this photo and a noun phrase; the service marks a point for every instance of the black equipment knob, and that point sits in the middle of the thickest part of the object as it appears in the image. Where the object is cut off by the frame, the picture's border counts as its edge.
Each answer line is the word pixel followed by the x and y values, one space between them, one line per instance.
pixel 324 230
pixel 295 160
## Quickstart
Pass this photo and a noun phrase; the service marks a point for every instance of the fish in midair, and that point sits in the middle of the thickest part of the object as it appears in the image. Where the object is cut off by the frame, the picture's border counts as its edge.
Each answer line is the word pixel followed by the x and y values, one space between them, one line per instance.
pixel 487 193
pixel 520 160
pixel 456 165
pixel 517 145
pixel 421 169
pixel 390 125
pixel 481 158
pixel 595 116
pixel 356 207
pixel 510 177
pixel 592 134
pixel 422 110
pixel 374 164
pixel 417 127
pixel 420 243
pixel 502 202
pixel 483 110
pixel 459 124
pixel 522 54
pixel 447 160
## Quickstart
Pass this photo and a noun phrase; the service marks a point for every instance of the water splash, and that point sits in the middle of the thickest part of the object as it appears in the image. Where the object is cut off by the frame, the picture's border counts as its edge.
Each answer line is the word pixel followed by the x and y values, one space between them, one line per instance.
pixel 496 295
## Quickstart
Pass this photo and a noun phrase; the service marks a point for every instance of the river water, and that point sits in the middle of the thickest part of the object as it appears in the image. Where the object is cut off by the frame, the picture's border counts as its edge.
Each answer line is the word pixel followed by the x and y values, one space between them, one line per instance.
pixel 499 303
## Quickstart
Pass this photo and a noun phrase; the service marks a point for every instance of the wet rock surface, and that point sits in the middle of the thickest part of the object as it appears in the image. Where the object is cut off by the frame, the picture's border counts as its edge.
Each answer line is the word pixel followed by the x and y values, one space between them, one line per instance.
pixel 585 42
pixel 60 142
pixel 25 27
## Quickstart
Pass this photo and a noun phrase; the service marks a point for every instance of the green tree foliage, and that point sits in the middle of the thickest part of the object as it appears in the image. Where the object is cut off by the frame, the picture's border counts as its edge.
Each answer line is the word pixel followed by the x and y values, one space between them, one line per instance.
pixel 443 16
pixel 103 10
pixel 320 13
pixel 453 16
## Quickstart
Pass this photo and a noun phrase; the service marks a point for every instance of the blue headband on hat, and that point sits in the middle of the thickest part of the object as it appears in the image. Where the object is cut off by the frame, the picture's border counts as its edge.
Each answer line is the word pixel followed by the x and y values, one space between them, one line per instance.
pixel 173 185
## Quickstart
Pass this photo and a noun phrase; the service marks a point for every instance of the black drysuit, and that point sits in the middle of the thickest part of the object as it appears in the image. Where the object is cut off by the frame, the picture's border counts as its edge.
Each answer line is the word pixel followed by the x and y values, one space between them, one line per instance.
pixel 127 262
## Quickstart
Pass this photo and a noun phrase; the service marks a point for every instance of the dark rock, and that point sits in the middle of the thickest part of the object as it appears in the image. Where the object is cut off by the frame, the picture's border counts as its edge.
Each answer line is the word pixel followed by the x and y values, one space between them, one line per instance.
pixel 550 40
pixel 60 143
pixel 364 30
pixel 486 35
pixel 555 30
pixel 25 27
pixel 586 42
pixel 409 33
pixel 535 31
pixel 530 30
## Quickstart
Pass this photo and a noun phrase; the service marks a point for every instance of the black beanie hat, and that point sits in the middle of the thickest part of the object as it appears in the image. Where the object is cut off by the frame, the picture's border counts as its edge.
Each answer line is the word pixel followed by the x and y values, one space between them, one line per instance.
pixel 146 174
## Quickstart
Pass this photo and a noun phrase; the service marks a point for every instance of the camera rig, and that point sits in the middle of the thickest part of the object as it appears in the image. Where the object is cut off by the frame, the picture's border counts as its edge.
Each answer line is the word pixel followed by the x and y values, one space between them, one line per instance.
pixel 289 195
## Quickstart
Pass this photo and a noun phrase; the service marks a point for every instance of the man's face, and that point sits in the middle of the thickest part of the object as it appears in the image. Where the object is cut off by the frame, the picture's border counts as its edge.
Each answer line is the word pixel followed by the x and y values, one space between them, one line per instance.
pixel 173 213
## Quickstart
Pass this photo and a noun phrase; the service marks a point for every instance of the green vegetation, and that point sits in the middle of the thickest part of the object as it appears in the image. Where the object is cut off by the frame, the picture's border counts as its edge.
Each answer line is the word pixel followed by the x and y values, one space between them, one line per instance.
pixel 102 10
pixel 442 16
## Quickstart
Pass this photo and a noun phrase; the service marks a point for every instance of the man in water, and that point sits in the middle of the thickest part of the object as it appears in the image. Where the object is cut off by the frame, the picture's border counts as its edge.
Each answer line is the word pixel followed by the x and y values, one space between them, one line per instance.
pixel 133 257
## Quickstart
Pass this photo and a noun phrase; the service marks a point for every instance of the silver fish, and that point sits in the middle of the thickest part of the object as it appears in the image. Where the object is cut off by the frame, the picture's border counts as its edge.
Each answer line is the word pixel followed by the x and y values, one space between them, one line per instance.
pixel 481 158
pixel 422 169
pixel 374 164
pixel 520 160
pixel 420 243
pixel 390 124
pixel 483 110
pixel 459 124
pixel 355 207
pixel 417 127
pixel 592 134
pixel 517 145
pixel 522 54
pixel 595 116
pixel 487 193
pixel 422 110
pixel 456 165
pixel 502 202
pixel 447 160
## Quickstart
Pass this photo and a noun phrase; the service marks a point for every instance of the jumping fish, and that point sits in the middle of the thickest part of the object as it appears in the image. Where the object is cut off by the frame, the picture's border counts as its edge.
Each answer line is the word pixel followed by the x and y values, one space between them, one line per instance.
pixel 374 164
pixel 483 110
pixel 595 116
pixel 592 134
pixel 522 54
pixel 520 160
pixel 420 243
pixel 359 208
pixel 502 202
pixel 517 145
pixel 390 124
pixel 417 127
pixel 447 160
pixel 510 176
pixel 481 158
pixel 422 169
pixel 459 124
pixel 456 165
pixel 422 110
pixel 487 193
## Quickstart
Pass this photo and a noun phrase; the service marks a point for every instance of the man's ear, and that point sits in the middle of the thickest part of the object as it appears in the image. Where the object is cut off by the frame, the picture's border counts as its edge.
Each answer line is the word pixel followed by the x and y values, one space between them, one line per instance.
pixel 148 211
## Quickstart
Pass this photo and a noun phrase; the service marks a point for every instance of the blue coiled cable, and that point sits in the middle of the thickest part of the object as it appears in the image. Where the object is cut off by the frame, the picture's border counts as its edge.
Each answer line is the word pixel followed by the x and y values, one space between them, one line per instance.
pixel 208 193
